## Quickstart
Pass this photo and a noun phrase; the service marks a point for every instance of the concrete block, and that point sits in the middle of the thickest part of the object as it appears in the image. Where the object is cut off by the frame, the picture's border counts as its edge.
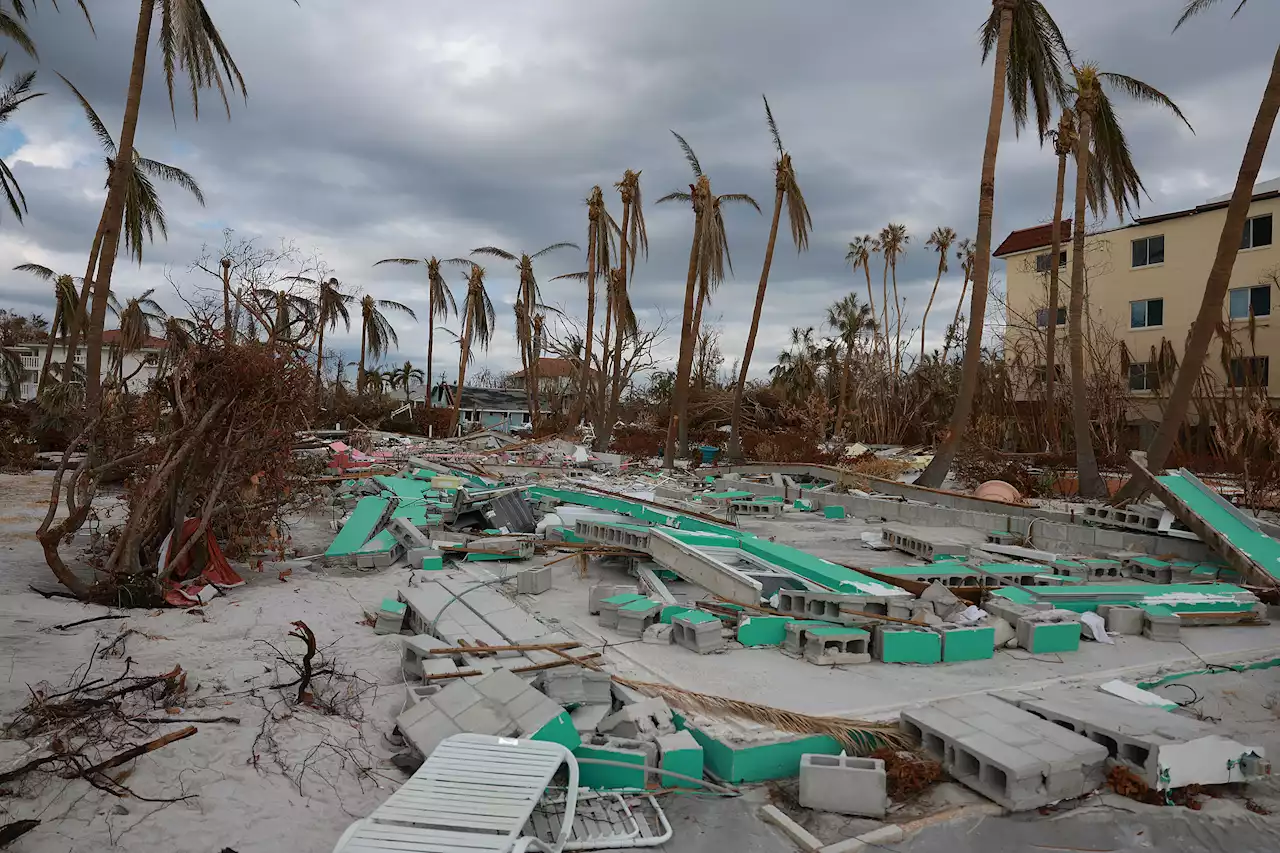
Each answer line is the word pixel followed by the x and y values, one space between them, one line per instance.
pixel 900 644
pixel 430 563
pixel 843 784
pixel 1122 618
pixel 636 616
pixel 697 631
pixel 604 777
pixel 501 686
pixel 1049 631
pixel 960 643
pixel 407 534
pixel 1161 624
pixel 534 581
pixel 679 753
pixel 833 511
pixel 831 606
pixel 837 646
pixel 564 684
pixel 597 687
pixel 643 720
pixel 658 635
pixel 899 609
pixel 424 726
pixel 585 718
pixel 608 607
pixel 758 630
pixel 797 632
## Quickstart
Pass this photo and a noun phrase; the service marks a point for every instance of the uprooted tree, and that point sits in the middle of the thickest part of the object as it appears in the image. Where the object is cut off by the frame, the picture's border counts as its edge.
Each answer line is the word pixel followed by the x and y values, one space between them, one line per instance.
pixel 210 439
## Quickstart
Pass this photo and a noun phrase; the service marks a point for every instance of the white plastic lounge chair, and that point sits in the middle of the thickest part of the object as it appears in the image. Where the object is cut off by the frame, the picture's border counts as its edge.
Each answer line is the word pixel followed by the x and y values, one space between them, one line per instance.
pixel 474 794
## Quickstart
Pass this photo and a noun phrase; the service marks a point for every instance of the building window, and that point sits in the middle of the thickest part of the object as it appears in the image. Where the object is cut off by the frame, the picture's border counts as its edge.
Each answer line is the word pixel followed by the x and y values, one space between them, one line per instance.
pixel 525 418
pixel 1146 313
pixel 1257 232
pixel 1042 261
pixel 1246 301
pixel 1042 317
pixel 1251 372
pixel 1144 376
pixel 1042 373
pixel 1148 251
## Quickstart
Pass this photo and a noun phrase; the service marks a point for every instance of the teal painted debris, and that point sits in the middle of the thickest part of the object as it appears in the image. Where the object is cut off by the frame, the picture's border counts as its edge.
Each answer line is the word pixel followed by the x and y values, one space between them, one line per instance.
pixel 763 630
pixel 432 564
pixel 1179 597
pixel 380 544
pixel 1256 546
pixel 367 516
pixel 833 511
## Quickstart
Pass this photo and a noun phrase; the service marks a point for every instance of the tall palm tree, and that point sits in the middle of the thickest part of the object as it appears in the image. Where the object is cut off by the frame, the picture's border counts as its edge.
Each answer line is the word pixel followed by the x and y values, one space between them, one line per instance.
pixel 797 369
pixel 1105 174
pixel 189 42
pixel 1029 52
pixel 17 93
pixel 849 318
pixel 965 254
pixel 601 229
pixel 941 240
pixel 892 243
pixel 330 307
pixel 634 239
pixel 140 318
pixel 440 300
pixel 292 315
pixel 785 189
pixel 478 321
pixel 1064 143
pixel 404 376
pixel 528 303
pixel 143 212
pixel 859 255
pixel 377 335
pixel 708 255
pixel 1219 280
pixel 64 307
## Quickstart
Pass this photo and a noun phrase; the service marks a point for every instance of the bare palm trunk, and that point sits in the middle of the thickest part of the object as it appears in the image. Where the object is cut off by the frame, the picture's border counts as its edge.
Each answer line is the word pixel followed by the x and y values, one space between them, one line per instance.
pixel 897 311
pixel 431 339
pixel 602 398
pixel 925 319
pixel 115 207
pixel 871 300
pixel 48 347
pixel 955 321
pixel 842 407
pixel 320 358
pixel 937 470
pixel 619 308
pixel 465 350
pixel 228 330
pixel 1215 291
pixel 735 418
pixel 584 373
pixel 364 337
pixel 884 308
pixel 77 321
pixel 1051 408
pixel 680 391
pixel 693 348
pixel 1090 482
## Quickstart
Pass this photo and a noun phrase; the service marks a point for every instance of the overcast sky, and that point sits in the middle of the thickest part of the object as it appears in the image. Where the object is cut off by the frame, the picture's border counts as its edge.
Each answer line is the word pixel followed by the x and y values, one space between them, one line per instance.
pixel 408 128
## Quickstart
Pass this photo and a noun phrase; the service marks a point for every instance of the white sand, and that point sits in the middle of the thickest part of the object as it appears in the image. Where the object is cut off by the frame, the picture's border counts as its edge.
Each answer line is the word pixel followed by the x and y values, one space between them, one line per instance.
pixel 299 799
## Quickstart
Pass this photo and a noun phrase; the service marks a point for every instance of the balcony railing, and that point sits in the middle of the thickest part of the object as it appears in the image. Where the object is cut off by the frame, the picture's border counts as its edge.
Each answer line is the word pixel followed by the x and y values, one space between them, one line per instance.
pixel 31 362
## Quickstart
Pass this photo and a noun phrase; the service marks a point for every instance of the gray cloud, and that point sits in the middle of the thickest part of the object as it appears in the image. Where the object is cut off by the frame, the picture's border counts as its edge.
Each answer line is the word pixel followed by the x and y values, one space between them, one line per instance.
pixel 398 128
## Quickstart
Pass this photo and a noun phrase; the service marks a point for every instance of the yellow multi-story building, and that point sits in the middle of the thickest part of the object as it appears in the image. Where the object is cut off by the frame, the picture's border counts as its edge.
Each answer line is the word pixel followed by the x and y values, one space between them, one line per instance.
pixel 1143 287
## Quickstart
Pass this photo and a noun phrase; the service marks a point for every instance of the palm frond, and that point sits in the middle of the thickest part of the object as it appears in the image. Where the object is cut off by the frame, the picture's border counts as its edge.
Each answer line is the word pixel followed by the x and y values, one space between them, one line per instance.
pixel 678 195
pixel 11 27
pixel 173 175
pixel 1144 93
pixel 407 262
pixel 573 276
pixel 495 251
pixel 390 305
pixel 1038 51
pixel 553 247
pixel 190 42
pixel 40 271
pixel 1195 7
pixel 689 155
pixel 91 115
pixel 740 198
pixel 773 125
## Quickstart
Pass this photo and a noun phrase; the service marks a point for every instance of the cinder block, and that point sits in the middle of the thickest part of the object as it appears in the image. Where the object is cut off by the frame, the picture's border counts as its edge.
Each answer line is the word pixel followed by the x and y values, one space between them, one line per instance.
pixel 424 726
pixel 698 631
pixel 608 607
pixel 837 646
pixel 1049 631
pixel 900 644
pixel 585 718
pixel 563 684
pixel 833 511
pixel 843 784
pixel 605 777
pixel 679 753
pixel 643 720
pixel 597 687
pixel 960 643
pixel 419 558
pixel 1161 623
pixel 636 616
pixel 1122 618
pixel 407 534
pixel 759 630
pixel 534 581
pixel 658 635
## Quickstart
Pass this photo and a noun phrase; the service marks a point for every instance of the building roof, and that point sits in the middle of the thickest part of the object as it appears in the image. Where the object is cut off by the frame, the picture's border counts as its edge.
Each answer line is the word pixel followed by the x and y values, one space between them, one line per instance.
pixel 550 368
pixel 483 399
pixel 1026 239
pixel 112 336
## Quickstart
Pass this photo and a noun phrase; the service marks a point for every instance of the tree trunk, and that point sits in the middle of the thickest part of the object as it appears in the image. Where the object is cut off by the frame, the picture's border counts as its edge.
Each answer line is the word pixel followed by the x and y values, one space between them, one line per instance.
pixel 465 350
pixel 1051 408
pixel 602 400
pixel 584 374
pixel 884 306
pixel 897 311
pixel 228 330
pixel 114 208
pixel 735 440
pixel 842 407
pixel 937 470
pixel 680 391
pixel 48 347
pixel 431 337
pixel 320 358
pixel 683 431
pixel 364 335
pixel 619 301
pixel 924 320
pixel 77 323
pixel 1090 482
pixel 1215 290
pixel 955 321
pixel 871 301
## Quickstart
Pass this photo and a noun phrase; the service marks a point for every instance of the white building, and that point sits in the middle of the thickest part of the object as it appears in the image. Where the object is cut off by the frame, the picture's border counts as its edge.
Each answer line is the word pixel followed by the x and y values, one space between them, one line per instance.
pixel 137 370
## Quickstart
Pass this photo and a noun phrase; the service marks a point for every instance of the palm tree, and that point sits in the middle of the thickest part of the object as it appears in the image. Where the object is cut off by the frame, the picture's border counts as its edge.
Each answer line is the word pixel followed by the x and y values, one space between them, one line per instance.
pixel 1209 316
pixel 1064 142
pixel 478 321
pixel 292 314
pixel 797 368
pixel 634 239
pixel 189 42
pixel 440 300
pixel 892 243
pixel 17 93
pixel 143 210
pixel 377 335
pixel 1029 51
pixel 139 319
pixel 850 319
pixel 965 254
pixel 528 302
pixel 600 232
pixel 64 308
pixel 859 255
pixel 331 305
pixel 1110 176
pixel 785 189
pixel 941 240
pixel 404 376
pixel 708 255
pixel 12 23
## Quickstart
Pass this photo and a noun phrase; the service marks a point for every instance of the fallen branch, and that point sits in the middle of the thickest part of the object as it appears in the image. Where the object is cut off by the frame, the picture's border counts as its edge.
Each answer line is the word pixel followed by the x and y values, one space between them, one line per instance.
pixel 87 621
pixel 141 749
pixel 185 720
pixel 53 593
pixel 11 832
pixel 304 633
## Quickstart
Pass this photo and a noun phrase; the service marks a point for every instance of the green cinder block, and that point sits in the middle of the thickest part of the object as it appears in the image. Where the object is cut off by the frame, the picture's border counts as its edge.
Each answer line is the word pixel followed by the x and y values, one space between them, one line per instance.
pixel 680 754
pixel 803 504
pixel 432 564
pixel 673 610
pixel 894 645
pixel 968 644
pixel 833 511
pixel 1054 637
pixel 390 605
pixel 763 630
pixel 604 777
